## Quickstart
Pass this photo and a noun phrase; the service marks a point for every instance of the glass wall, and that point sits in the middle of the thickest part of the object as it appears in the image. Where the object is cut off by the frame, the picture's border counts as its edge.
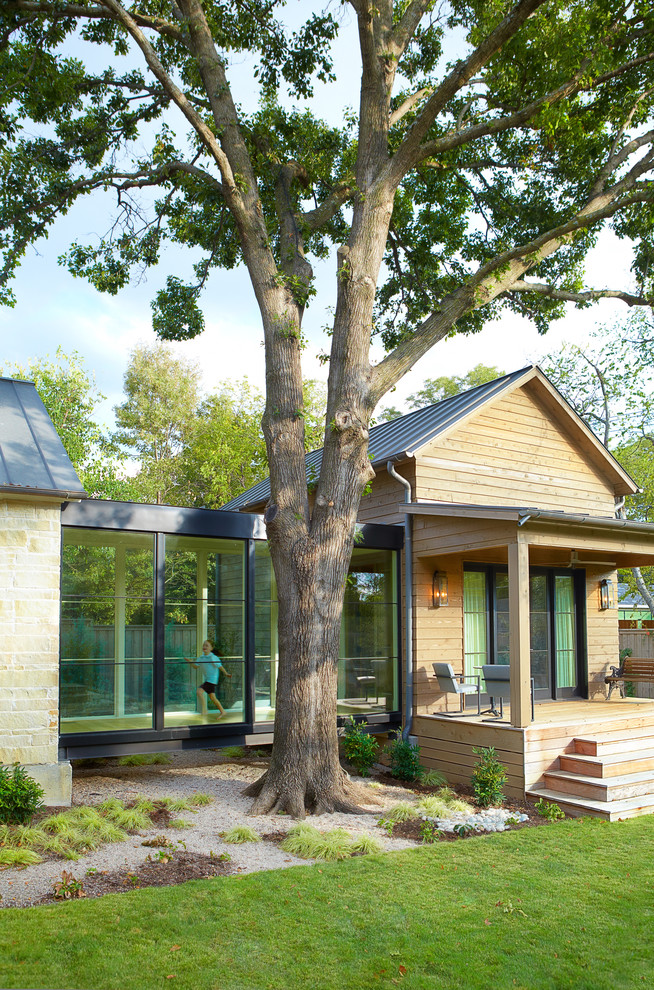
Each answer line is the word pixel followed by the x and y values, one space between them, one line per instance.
pixel 130 660
pixel 106 631
pixel 204 600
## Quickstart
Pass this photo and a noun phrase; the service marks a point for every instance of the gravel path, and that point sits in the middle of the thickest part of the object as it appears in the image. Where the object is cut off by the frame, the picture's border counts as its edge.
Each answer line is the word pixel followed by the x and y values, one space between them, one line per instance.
pixel 204 772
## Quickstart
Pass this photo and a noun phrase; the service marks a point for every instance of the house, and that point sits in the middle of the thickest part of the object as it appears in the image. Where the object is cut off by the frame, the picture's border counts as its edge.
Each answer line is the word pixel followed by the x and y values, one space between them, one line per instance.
pixel 490 536
pixel 514 543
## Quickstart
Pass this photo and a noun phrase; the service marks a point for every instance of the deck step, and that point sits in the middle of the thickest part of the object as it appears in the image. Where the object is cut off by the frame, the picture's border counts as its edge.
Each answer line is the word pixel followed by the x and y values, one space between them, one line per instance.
pixel 609 765
pixel 609 810
pixel 615 742
pixel 600 788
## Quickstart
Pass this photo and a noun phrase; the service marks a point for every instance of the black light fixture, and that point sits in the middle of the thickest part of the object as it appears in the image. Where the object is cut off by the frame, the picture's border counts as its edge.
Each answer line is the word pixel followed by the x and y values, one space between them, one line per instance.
pixel 439 589
pixel 606 594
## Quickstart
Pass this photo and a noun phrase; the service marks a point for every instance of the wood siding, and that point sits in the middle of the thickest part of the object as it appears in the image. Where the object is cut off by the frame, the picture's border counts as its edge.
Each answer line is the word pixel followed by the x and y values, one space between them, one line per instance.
pixel 381 505
pixel 513 453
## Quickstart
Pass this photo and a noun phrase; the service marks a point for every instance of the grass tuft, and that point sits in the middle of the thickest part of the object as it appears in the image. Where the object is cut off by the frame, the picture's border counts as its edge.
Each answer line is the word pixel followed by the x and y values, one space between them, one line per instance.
pixel 307 842
pixel 366 845
pixel 401 812
pixel 200 799
pixel 11 856
pixel 179 823
pixel 234 752
pixel 144 759
pixel 241 833
pixel 433 778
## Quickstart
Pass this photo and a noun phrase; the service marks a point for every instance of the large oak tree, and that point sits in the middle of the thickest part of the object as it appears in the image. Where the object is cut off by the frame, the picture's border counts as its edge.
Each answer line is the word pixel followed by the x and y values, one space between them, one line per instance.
pixel 492 142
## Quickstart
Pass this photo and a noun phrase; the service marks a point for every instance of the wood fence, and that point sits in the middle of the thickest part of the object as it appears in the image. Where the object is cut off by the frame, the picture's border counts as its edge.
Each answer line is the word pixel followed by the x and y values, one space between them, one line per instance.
pixel 641 644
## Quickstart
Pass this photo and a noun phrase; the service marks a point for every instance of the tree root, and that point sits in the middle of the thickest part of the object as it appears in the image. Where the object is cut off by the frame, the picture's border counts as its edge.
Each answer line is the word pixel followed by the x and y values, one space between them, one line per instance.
pixel 299 799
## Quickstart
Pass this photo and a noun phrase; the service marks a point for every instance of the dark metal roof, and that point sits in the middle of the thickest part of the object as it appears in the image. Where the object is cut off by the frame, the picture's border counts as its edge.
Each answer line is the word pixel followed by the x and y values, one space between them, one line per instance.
pixel 33 460
pixel 402 437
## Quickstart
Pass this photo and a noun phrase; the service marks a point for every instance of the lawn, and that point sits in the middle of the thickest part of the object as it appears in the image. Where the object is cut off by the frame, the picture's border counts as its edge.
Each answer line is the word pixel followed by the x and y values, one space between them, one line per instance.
pixel 567 905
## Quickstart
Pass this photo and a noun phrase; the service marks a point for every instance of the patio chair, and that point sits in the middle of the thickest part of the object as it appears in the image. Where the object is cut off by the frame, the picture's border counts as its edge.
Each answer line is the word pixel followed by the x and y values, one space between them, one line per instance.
pixel 451 683
pixel 498 686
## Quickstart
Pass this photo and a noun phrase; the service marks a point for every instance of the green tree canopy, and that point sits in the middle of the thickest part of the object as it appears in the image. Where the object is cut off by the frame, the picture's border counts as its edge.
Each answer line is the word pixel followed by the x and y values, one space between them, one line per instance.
pixel 436 389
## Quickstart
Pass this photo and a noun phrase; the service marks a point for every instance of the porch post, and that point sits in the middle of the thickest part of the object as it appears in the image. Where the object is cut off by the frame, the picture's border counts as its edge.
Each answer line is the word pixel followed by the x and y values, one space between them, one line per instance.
pixel 519 644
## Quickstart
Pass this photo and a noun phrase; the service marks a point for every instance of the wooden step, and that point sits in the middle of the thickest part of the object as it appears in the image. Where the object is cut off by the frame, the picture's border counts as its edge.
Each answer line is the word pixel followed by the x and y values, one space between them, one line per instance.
pixel 615 742
pixel 611 765
pixel 600 788
pixel 609 810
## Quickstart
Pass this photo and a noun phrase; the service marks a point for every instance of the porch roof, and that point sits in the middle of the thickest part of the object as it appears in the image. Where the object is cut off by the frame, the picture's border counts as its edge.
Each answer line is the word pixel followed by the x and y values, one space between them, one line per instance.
pixel 629 542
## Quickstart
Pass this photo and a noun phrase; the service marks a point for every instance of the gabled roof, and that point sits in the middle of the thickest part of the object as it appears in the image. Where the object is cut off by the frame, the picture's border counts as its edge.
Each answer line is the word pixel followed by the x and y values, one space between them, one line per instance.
pixel 33 460
pixel 402 438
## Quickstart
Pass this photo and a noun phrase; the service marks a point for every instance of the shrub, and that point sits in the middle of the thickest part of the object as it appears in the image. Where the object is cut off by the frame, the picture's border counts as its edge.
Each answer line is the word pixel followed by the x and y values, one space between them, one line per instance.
pixel 549 810
pixel 432 778
pixel 488 777
pixel 404 758
pixel 359 747
pixel 20 796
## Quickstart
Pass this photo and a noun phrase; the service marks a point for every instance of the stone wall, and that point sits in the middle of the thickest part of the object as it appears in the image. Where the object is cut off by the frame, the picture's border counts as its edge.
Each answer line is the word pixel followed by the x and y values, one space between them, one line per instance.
pixel 30 549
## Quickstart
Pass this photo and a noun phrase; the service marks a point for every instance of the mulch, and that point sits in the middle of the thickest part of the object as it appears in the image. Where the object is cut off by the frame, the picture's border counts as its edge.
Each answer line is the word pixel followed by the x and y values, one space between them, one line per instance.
pixel 182 866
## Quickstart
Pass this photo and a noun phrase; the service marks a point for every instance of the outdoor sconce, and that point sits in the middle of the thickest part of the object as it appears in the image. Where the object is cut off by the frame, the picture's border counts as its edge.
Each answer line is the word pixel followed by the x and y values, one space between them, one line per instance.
pixel 607 595
pixel 439 589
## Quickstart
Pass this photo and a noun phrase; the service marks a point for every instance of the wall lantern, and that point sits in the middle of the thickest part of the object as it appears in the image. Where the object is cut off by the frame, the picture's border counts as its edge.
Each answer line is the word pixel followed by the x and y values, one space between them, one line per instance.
pixel 607 595
pixel 439 589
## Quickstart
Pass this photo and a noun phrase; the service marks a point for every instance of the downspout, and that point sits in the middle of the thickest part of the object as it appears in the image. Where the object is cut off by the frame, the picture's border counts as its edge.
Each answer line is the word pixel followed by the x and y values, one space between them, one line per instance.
pixel 408 604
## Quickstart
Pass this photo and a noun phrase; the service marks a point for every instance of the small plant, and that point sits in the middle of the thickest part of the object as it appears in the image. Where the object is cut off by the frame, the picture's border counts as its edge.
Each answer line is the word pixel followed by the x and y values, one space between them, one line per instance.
pixel 549 810
pixel 404 758
pixel 401 812
pixel 67 888
pixel 240 834
pixel 388 825
pixel 200 799
pixel 132 879
pixel 430 833
pixel 442 804
pixel 162 856
pixel 488 777
pixel 365 845
pixel 179 823
pixel 512 820
pixel 432 778
pixel 233 752
pixel 144 759
pixel 220 857
pixel 20 796
pixel 463 829
pixel 10 856
pixel 360 747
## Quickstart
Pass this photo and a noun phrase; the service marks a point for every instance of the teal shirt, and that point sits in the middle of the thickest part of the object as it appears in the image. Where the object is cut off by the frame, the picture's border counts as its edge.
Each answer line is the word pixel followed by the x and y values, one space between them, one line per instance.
pixel 211 667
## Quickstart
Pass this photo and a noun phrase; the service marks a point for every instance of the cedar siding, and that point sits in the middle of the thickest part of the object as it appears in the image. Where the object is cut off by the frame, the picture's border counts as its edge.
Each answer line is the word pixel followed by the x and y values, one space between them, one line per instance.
pixel 512 452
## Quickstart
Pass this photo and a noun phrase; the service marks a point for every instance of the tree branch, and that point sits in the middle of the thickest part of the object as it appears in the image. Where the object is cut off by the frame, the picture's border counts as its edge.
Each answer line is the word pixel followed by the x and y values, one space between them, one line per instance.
pixel 409 152
pixel 408 105
pixel 314 219
pixel 63 10
pixel 587 296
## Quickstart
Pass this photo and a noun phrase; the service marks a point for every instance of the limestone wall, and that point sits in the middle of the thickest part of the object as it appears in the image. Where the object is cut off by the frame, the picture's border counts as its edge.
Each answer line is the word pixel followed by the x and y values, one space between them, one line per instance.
pixel 29 642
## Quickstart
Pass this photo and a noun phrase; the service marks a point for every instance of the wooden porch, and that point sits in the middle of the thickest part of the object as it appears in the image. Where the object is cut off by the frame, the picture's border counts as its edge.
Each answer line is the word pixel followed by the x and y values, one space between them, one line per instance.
pixel 591 757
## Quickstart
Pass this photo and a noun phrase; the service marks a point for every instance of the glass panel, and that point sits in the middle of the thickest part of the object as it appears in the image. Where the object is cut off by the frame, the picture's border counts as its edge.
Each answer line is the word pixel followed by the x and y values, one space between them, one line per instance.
pixel 501 618
pixel 475 622
pixel 539 619
pixel 367 668
pixel 266 654
pixel 205 581
pixel 564 630
pixel 106 631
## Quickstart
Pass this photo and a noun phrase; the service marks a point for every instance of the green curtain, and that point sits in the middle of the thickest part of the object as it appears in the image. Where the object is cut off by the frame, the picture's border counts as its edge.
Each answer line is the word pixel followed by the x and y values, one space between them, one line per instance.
pixel 564 624
pixel 475 620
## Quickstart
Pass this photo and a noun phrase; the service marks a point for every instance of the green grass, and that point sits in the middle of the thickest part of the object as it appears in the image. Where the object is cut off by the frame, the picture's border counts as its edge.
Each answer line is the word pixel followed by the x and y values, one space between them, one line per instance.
pixel 144 759
pixel 233 752
pixel 240 834
pixel 538 909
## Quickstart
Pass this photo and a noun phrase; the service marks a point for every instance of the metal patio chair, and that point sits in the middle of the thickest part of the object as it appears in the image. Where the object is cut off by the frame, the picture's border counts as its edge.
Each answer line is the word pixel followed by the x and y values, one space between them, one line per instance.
pixel 498 685
pixel 451 683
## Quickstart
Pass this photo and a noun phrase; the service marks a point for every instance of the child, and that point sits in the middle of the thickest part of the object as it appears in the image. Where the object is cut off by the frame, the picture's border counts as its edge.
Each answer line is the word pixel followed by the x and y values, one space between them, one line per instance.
pixel 211 666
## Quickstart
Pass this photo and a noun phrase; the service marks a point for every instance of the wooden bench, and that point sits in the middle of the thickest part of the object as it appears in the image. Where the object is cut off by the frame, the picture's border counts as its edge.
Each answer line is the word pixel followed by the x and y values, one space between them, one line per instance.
pixel 633 669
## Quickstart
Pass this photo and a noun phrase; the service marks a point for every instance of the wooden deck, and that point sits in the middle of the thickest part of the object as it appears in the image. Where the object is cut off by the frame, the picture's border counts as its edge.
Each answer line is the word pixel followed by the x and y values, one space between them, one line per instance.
pixel 528 753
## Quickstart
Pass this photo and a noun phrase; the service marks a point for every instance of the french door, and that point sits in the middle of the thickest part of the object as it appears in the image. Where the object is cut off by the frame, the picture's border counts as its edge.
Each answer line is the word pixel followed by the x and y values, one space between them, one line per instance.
pixel 556 620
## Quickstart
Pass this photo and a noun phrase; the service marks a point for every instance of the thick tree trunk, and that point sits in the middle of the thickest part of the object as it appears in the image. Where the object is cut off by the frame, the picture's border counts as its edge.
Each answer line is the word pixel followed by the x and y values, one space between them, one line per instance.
pixel 305 774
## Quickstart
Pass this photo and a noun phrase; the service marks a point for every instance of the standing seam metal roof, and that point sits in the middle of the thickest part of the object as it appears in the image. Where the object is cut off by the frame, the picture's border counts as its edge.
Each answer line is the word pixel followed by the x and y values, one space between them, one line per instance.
pixel 33 460
pixel 401 437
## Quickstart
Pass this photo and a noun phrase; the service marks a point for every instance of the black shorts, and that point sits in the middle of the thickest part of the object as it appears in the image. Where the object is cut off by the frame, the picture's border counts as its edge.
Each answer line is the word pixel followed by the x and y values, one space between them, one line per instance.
pixel 209 688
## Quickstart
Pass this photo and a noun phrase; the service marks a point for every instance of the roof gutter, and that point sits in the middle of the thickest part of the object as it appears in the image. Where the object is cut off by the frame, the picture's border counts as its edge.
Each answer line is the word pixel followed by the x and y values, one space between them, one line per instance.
pixel 408 604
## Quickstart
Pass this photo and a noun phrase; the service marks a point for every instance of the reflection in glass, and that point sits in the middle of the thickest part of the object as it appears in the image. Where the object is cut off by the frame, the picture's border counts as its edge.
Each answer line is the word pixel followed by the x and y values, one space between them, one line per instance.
pixel 106 631
pixel 205 599
pixel 475 622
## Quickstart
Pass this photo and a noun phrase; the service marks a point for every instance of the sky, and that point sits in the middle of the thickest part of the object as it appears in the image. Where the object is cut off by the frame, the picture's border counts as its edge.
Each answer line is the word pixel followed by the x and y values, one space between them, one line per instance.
pixel 54 309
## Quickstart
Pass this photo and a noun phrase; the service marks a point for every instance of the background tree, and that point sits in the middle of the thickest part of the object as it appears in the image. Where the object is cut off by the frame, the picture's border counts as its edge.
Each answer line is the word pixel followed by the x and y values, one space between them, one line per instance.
pixel 610 383
pixel 436 389
pixel 157 420
pixel 71 397
pixel 464 177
